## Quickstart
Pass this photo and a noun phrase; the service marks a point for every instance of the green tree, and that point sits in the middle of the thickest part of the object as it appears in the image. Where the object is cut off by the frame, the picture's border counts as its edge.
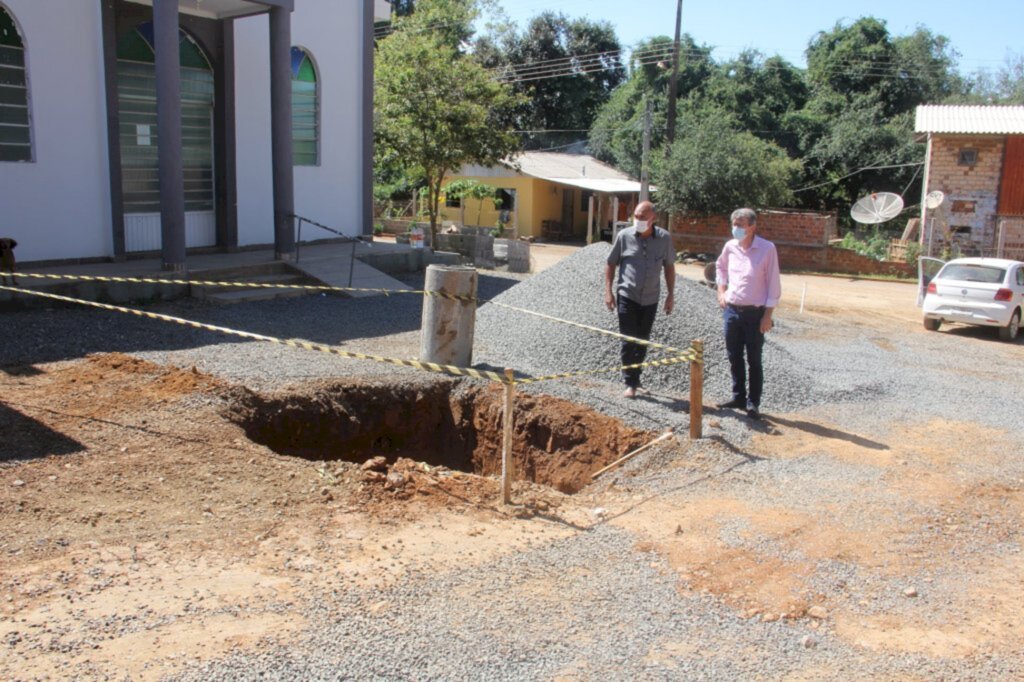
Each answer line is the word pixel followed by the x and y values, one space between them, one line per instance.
pixel 862 59
pixel 436 107
pixel 862 151
pixel 855 134
pixel 616 135
pixel 713 167
pixel 760 93
pixel 564 68
pixel 1005 86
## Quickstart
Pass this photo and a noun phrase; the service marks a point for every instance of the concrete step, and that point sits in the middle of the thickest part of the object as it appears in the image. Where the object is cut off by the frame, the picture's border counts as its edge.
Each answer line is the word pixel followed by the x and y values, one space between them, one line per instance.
pixel 257 275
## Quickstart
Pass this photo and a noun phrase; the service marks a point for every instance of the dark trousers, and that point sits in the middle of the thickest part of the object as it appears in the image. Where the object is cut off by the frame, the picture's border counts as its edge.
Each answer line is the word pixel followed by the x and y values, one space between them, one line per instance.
pixel 743 333
pixel 634 320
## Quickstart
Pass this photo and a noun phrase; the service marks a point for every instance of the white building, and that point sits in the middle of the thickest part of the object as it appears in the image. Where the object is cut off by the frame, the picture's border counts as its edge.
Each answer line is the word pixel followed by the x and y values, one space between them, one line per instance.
pixel 107 149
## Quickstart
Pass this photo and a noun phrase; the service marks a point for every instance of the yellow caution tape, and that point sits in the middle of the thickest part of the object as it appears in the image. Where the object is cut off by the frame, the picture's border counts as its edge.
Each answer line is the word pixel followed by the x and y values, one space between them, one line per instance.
pixel 689 356
pixel 326 287
pixel 294 343
pixel 606 332
pixel 246 285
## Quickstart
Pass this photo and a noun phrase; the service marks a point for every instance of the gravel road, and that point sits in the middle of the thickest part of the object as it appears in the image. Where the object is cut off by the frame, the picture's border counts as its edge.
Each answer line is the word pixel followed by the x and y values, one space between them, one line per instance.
pixel 601 603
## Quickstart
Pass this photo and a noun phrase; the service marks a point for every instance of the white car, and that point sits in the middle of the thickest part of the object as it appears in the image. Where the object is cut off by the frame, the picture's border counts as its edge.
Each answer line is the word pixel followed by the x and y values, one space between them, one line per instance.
pixel 979 291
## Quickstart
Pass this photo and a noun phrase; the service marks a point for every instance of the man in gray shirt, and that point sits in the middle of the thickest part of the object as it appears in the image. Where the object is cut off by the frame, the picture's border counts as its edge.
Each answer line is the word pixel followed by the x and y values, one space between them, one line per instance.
pixel 641 253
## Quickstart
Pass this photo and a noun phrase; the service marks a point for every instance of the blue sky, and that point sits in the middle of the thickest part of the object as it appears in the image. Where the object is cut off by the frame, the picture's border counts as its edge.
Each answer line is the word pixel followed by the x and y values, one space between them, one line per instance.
pixel 984 32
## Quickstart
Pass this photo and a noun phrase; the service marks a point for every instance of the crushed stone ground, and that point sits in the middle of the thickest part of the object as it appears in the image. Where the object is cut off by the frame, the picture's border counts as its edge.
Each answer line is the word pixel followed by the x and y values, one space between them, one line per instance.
pixel 868 528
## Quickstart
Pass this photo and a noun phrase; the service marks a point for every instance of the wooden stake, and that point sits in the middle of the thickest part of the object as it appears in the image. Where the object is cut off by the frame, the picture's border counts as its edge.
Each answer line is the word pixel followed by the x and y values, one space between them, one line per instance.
pixel 625 458
pixel 506 445
pixel 697 392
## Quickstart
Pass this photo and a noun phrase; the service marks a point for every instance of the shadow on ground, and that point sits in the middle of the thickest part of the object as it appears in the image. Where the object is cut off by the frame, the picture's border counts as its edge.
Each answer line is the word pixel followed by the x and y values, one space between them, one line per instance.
pixel 26 438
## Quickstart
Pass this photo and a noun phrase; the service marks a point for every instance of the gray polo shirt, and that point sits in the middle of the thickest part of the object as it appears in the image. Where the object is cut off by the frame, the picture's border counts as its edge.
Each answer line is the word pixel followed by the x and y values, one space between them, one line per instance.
pixel 641 262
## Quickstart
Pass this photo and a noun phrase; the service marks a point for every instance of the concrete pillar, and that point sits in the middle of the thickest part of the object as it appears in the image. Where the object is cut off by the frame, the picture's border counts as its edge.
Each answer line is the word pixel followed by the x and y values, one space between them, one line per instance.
pixel 281 132
pixel 446 334
pixel 168 126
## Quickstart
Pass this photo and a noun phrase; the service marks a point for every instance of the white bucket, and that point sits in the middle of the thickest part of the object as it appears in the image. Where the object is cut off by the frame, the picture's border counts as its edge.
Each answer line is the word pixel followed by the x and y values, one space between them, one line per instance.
pixel 416 238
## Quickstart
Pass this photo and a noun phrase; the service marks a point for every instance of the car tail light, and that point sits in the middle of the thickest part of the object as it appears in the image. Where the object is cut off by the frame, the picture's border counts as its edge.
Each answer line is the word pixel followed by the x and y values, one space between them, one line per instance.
pixel 1004 295
pixel 932 289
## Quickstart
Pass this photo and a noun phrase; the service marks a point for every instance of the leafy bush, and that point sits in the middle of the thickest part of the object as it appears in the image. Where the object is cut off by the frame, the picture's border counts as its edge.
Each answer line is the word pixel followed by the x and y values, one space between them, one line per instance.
pixel 874 245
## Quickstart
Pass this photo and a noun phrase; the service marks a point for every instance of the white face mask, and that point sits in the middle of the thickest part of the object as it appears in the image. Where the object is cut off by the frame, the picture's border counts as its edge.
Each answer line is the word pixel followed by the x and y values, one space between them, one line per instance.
pixel 641 225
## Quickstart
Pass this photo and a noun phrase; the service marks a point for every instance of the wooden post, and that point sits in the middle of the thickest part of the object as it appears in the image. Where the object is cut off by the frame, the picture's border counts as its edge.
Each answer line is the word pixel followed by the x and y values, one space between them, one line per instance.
pixel 506 444
pixel 697 392
pixel 615 214
pixel 590 219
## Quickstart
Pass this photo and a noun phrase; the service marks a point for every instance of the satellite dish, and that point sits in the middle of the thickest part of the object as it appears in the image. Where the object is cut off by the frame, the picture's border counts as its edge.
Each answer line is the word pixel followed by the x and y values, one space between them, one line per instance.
pixel 934 199
pixel 877 208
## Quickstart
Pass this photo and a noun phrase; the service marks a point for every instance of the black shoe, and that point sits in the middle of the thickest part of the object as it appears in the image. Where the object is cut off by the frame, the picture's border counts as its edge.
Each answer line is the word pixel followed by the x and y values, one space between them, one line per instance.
pixel 738 403
pixel 752 411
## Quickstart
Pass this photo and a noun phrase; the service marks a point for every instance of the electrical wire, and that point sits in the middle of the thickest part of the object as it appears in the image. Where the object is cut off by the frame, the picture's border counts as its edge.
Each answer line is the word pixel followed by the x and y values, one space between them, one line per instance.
pixel 859 170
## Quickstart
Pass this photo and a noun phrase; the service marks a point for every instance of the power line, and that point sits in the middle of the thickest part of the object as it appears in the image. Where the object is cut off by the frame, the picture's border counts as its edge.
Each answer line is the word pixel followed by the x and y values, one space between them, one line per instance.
pixel 859 170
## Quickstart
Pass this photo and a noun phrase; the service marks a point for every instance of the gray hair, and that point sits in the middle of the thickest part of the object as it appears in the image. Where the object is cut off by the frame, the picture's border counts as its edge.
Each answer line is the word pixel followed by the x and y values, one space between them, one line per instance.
pixel 747 214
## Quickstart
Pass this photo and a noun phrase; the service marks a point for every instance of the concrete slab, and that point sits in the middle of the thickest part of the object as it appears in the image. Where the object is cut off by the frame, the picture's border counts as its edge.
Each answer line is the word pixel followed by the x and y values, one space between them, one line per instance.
pixel 328 262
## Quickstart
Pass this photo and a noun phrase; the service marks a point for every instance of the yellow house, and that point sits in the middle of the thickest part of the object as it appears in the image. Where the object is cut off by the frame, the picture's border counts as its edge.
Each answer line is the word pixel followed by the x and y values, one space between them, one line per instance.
pixel 555 196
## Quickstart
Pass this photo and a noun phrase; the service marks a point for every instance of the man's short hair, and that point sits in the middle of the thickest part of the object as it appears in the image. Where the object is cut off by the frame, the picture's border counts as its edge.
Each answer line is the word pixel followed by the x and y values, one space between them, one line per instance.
pixel 747 214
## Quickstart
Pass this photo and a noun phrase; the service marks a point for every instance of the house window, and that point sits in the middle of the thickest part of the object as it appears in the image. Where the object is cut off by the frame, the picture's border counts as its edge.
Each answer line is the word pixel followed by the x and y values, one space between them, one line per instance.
pixel 15 130
pixel 305 109
pixel 505 199
pixel 452 201
pixel 967 157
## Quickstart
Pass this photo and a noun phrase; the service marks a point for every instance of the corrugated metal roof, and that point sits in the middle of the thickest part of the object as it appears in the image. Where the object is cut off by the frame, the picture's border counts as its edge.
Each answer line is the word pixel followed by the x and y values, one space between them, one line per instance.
pixel 988 119
pixel 577 170
pixel 558 165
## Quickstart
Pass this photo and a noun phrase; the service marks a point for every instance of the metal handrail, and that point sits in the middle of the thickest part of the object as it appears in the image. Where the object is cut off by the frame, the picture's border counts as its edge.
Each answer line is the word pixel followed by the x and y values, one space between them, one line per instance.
pixel 352 240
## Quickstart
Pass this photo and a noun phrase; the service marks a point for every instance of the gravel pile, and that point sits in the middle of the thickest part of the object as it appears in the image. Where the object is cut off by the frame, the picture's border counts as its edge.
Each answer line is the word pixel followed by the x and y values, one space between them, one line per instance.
pixel 573 290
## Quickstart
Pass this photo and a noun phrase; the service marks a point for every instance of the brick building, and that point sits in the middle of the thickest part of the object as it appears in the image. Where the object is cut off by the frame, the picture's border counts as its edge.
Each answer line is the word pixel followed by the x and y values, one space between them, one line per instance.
pixel 975 156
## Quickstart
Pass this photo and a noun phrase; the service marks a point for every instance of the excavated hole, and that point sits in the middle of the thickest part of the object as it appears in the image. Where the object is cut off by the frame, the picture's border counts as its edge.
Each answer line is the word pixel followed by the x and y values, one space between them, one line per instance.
pixel 443 423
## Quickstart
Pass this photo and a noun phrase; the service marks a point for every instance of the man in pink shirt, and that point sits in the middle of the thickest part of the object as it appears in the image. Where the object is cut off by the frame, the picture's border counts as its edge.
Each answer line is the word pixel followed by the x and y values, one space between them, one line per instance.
pixel 749 288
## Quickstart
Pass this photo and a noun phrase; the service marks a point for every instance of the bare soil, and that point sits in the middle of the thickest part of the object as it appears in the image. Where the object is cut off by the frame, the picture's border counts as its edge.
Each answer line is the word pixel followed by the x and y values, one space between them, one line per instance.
pixel 157 516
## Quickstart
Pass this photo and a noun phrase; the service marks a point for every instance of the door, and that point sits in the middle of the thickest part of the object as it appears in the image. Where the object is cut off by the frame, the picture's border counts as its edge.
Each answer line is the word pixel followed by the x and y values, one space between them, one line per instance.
pixel 567 204
pixel 927 268
pixel 136 93
pixel 1011 190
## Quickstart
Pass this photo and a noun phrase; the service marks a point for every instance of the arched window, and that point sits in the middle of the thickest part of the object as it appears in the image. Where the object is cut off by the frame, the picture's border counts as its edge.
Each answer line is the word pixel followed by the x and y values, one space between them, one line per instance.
pixel 15 130
pixel 305 110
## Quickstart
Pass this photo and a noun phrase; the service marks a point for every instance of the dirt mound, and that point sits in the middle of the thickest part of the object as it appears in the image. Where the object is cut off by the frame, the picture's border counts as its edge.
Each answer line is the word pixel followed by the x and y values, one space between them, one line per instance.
pixel 158 382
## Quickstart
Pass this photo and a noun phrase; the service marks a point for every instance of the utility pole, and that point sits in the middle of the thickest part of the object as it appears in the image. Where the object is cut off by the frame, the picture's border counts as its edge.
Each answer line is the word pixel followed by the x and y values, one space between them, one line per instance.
pixel 645 160
pixel 673 86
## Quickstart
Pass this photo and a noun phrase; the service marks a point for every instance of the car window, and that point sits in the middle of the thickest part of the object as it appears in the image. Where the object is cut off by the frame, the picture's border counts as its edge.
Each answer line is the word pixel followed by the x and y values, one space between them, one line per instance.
pixel 986 274
pixel 1020 276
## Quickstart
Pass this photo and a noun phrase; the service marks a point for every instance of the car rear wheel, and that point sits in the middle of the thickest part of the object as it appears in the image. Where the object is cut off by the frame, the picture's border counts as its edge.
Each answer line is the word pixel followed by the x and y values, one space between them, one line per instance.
pixel 1010 331
pixel 932 325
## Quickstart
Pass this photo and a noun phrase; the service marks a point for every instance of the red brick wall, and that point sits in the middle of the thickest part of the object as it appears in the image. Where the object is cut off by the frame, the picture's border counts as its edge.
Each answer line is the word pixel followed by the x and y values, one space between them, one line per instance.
pixel 803 228
pixel 971 191
pixel 801 238
pixel 852 263
pixel 1013 238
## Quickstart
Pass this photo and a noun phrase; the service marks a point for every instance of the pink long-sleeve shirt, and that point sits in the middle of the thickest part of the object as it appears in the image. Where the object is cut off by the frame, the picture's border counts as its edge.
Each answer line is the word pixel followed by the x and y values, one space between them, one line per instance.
pixel 752 275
